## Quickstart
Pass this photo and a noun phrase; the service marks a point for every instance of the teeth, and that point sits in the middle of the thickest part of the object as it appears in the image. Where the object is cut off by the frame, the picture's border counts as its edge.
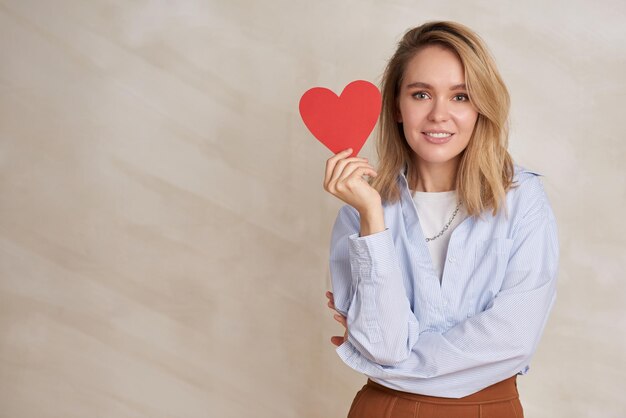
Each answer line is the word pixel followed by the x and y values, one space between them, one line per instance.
pixel 438 135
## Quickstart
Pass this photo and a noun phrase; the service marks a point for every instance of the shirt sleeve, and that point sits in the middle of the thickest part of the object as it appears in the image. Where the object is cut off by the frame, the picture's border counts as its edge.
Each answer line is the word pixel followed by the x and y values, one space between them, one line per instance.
pixel 498 342
pixel 368 290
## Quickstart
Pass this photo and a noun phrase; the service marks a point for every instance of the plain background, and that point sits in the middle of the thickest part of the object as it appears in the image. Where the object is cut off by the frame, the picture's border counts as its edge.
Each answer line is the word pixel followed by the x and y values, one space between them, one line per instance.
pixel 163 227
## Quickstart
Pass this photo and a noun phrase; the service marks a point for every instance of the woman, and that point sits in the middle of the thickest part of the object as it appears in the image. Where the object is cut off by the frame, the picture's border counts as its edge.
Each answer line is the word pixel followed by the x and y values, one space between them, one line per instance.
pixel 444 262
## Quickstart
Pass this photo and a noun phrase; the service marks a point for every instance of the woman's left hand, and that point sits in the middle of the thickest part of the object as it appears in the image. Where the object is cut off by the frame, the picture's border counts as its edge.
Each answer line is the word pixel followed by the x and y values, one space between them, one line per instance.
pixel 337 340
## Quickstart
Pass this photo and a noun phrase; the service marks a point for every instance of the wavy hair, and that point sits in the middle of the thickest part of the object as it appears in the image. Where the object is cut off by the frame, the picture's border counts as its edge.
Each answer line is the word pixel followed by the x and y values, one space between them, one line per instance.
pixel 485 171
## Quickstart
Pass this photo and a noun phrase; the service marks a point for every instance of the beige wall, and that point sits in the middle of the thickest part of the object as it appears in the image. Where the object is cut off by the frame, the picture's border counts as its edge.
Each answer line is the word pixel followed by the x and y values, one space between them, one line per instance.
pixel 163 229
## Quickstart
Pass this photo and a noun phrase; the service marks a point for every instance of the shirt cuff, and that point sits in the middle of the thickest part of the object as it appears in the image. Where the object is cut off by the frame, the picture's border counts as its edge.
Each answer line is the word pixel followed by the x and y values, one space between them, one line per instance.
pixel 373 255
pixel 350 356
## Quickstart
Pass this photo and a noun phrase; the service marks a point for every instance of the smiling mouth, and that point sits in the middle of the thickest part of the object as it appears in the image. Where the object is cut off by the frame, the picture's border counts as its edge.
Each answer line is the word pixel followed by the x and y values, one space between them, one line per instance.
pixel 438 137
pixel 438 134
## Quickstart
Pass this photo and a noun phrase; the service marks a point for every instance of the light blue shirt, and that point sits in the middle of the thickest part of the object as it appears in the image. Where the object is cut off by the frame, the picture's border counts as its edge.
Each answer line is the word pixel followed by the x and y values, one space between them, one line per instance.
pixel 479 326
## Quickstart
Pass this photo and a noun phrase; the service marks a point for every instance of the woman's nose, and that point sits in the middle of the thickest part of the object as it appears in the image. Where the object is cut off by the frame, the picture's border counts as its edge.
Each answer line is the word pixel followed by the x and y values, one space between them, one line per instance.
pixel 439 111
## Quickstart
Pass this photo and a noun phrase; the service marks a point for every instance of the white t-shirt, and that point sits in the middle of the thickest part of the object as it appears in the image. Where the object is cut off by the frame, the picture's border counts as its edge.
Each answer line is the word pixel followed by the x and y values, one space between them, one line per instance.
pixel 435 210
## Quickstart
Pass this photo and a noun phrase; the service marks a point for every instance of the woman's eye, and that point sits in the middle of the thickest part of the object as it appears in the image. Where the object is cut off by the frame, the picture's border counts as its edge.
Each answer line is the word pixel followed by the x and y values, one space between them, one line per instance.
pixel 461 97
pixel 420 95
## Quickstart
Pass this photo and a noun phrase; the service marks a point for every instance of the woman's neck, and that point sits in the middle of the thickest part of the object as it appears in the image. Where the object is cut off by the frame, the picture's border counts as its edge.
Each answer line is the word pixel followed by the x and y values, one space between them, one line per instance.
pixel 440 177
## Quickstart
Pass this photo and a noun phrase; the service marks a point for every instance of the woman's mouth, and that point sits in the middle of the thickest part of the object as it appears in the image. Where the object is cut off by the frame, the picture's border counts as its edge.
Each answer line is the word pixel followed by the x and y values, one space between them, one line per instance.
pixel 438 137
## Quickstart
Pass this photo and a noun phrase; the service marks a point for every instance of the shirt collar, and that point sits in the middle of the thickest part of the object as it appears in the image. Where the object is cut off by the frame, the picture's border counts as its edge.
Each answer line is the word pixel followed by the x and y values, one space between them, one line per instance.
pixel 411 217
pixel 517 169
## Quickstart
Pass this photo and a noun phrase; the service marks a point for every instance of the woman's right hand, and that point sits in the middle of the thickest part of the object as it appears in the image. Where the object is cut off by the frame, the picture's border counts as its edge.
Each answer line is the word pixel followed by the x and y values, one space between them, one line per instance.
pixel 344 179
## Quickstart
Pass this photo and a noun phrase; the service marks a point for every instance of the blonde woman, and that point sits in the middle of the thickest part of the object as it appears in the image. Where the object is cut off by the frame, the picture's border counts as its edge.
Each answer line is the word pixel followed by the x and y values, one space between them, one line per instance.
pixel 444 261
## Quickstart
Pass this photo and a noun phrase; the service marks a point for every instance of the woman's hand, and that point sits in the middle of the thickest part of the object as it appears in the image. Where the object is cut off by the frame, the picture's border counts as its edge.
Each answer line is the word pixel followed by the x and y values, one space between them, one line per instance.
pixel 337 340
pixel 344 179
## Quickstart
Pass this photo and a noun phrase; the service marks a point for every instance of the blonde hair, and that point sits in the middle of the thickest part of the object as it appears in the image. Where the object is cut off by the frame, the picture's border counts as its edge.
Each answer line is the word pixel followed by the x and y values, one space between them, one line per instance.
pixel 485 171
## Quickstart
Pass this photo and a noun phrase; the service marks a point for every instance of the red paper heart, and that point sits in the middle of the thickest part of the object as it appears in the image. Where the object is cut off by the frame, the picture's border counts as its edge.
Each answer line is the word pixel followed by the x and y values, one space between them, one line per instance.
pixel 345 121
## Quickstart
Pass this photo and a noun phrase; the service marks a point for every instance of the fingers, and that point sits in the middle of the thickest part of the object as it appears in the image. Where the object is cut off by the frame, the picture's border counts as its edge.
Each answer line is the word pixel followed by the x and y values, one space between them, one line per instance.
pixel 343 169
pixel 335 165
pixel 352 174
pixel 337 340
pixel 331 301
pixel 331 162
pixel 346 169
pixel 341 319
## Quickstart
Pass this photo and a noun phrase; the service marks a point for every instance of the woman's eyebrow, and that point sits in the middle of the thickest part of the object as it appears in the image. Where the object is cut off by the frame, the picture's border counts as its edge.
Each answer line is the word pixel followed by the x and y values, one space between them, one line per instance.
pixel 421 84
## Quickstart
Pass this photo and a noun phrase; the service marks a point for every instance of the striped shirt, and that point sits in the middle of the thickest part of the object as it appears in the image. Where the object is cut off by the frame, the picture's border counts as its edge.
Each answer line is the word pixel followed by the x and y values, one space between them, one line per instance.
pixel 480 325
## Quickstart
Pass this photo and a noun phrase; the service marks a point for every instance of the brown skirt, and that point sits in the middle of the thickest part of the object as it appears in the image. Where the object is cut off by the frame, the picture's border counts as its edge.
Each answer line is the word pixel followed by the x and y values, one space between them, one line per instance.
pixel 500 400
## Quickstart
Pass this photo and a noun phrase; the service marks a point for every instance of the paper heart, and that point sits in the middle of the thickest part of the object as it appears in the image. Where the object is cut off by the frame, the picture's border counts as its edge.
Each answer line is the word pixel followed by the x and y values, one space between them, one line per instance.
pixel 344 121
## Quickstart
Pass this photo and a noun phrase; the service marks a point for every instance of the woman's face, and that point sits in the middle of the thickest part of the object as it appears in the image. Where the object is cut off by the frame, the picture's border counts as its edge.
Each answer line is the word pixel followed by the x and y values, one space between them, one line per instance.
pixel 434 108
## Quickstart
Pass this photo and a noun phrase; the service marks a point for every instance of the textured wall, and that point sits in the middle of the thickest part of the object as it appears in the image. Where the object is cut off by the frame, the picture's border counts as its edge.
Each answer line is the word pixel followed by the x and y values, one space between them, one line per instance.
pixel 163 227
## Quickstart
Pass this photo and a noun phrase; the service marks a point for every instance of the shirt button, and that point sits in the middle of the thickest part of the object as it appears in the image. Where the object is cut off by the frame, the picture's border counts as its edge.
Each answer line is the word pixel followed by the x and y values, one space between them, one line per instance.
pixel 452 259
